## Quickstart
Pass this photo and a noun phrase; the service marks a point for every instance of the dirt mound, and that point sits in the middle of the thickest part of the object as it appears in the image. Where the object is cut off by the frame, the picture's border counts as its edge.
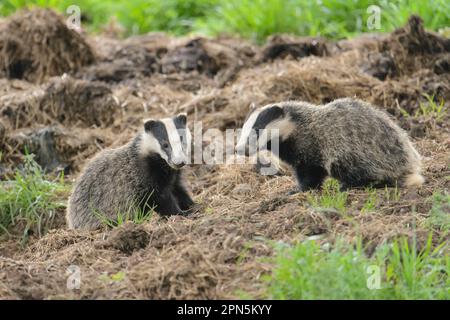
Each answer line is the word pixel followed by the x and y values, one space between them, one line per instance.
pixel 83 102
pixel 442 65
pixel 296 48
pixel 128 62
pixel 128 238
pixel 56 148
pixel 221 59
pixel 190 57
pixel 64 100
pixel 411 48
pixel 37 44
pixel 380 66
pixel 415 39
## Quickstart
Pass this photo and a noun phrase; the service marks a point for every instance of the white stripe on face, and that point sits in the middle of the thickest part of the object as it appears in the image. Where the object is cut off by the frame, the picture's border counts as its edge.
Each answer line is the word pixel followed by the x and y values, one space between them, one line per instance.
pixel 178 154
pixel 247 129
pixel 150 144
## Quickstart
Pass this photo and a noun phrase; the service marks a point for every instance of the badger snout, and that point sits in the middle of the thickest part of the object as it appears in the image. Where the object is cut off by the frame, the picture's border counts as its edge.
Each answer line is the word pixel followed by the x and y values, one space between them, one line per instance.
pixel 178 163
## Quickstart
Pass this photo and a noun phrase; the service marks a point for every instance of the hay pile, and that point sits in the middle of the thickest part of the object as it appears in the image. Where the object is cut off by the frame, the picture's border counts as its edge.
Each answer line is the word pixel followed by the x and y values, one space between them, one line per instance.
pixel 37 44
pixel 213 254
pixel 81 103
pixel 64 100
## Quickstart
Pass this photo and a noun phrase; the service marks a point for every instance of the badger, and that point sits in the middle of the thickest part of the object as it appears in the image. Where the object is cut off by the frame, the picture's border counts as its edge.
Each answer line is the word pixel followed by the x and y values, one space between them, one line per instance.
pixel 347 139
pixel 145 172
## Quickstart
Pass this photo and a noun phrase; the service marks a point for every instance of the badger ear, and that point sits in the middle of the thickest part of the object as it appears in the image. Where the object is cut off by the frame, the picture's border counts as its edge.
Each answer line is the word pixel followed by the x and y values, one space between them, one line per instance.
pixel 149 124
pixel 181 118
pixel 252 106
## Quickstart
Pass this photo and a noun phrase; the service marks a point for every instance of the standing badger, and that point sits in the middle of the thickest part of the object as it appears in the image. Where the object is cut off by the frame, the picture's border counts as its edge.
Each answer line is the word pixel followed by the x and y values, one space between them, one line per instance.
pixel 144 172
pixel 347 139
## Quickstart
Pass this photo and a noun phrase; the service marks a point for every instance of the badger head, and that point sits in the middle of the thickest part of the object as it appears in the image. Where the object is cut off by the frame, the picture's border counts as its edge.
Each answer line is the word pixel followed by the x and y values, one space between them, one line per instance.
pixel 169 138
pixel 276 122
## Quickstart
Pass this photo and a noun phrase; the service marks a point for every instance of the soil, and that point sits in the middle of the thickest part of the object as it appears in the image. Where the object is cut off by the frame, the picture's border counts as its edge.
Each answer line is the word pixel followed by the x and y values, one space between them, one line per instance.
pixel 68 100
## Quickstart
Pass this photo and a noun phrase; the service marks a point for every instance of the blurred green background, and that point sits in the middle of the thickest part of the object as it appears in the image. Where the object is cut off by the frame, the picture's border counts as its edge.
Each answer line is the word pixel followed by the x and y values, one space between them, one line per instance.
pixel 253 19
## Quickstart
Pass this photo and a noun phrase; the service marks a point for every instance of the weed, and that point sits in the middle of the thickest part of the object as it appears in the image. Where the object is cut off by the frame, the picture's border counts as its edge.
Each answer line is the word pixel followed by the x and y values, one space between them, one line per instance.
pixel 330 197
pixel 371 202
pixel 30 202
pixel 137 213
pixel 342 271
pixel 440 212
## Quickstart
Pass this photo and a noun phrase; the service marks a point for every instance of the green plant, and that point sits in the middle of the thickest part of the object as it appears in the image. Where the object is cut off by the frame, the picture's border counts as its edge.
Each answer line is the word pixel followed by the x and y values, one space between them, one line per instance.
pixel 330 18
pixel 416 274
pixel 174 16
pixel 371 202
pixel 428 110
pixel 440 212
pixel 431 108
pixel 30 202
pixel 329 197
pixel 392 194
pixel 308 270
pixel 252 19
pixel 137 213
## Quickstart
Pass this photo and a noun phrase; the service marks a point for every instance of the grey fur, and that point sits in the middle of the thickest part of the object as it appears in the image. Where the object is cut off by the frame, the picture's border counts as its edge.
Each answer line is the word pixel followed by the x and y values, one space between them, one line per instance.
pixel 349 140
pixel 117 178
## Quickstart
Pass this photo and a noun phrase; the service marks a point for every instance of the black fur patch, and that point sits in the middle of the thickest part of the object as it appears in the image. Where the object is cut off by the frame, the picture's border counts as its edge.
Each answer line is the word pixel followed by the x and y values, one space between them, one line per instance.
pixel 159 131
pixel 180 121
pixel 180 124
pixel 267 116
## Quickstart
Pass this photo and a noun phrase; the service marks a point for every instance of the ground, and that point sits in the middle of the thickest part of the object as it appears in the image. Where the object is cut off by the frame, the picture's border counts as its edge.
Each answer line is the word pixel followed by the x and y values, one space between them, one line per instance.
pixel 223 251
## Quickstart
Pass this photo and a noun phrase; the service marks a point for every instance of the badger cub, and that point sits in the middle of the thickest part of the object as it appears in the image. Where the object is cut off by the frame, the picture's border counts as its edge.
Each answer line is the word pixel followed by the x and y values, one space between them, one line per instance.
pixel 346 139
pixel 144 172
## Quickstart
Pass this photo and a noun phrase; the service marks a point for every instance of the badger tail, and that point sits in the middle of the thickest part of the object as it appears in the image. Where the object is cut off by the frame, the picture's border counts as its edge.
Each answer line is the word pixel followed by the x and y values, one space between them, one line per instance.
pixel 414 180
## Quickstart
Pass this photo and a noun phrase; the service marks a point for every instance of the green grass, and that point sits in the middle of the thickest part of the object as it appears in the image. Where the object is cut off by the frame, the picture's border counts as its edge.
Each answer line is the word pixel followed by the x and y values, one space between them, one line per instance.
pixel 254 19
pixel 371 202
pixel 429 109
pixel 135 213
pixel 329 197
pixel 395 271
pixel 175 16
pixel 392 194
pixel 440 212
pixel 30 202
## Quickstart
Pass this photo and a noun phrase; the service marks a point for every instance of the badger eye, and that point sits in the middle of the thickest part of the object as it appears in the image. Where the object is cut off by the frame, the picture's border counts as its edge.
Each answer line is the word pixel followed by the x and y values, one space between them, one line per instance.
pixel 165 145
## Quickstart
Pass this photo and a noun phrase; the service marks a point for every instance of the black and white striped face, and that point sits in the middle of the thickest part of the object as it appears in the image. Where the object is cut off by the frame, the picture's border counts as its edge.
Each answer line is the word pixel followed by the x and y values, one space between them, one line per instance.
pixel 170 138
pixel 269 117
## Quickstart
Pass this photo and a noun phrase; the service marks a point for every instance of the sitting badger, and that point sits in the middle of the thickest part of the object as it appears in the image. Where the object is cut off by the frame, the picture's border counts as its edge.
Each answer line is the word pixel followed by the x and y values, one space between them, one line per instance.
pixel 346 139
pixel 144 172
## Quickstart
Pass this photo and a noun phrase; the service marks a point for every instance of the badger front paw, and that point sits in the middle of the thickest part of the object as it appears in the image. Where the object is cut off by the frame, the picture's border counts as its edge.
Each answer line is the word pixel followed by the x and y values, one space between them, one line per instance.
pixel 194 208
pixel 294 191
